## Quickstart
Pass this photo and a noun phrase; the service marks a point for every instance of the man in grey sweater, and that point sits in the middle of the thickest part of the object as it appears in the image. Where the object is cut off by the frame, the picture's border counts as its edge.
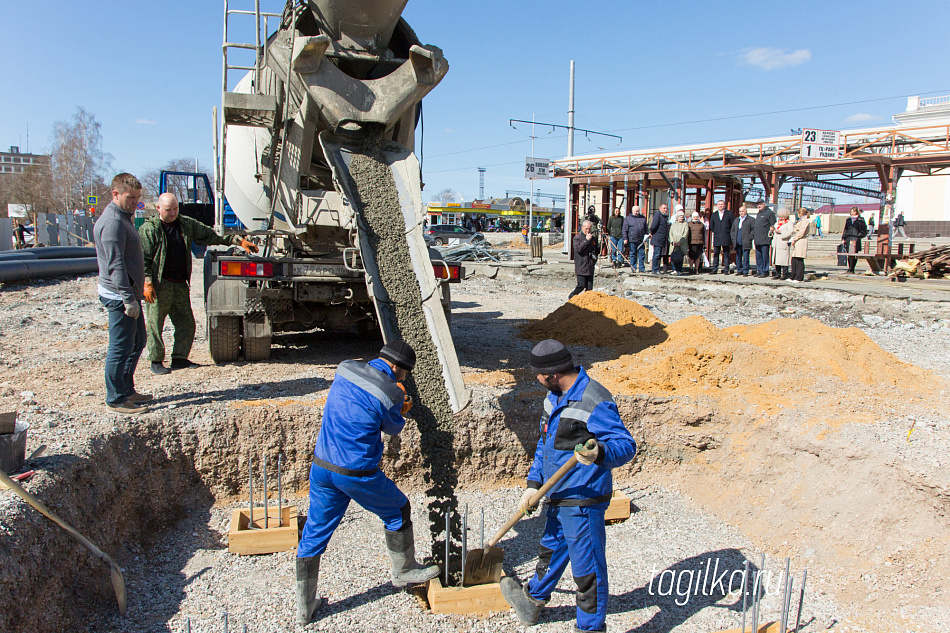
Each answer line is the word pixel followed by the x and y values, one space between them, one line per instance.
pixel 121 282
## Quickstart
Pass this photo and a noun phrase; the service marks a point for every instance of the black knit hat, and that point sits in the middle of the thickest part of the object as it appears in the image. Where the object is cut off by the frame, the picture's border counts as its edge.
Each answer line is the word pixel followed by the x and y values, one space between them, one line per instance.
pixel 399 354
pixel 551 357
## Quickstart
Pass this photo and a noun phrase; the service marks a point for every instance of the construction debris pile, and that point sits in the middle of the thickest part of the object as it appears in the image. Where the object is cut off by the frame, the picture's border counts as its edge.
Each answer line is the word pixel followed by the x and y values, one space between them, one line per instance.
pixel 473 251
pixel 933 263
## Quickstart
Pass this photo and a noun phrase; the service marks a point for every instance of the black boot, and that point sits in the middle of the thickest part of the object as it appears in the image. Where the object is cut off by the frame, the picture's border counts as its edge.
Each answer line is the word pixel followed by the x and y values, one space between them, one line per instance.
pixel 402 554
pixel 526 607
pixel 308 602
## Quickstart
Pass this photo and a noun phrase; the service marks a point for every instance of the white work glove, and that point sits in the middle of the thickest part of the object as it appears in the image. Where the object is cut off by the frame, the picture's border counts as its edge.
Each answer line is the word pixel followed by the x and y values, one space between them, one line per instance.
pixel 525 500
pixel 587 456
pixel 132 309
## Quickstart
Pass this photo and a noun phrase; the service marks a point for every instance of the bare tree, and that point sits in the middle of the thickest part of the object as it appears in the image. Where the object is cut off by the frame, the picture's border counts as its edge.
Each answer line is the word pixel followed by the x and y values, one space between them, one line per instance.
pixel 79 166
pixel 445 196
pixel 179 186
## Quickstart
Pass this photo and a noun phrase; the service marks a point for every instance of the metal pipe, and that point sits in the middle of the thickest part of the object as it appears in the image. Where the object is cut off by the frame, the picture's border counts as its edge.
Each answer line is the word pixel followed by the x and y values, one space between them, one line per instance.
pixel 482 529
pixel 464 543
pixel 264 468
pixel 787 608
pixel 188 625
pixel 50 252
pixel 448 537
pixel 758 598
pixel 250 491
pixel 801 599
pixel 745 590
pixel 225 622
pixel 280 492
pixel 25 269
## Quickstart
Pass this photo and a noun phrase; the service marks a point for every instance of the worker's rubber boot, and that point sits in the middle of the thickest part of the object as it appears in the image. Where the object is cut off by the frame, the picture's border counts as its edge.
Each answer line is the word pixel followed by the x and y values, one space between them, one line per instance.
pixel 308 602
pixel 526 607
pixel 402 553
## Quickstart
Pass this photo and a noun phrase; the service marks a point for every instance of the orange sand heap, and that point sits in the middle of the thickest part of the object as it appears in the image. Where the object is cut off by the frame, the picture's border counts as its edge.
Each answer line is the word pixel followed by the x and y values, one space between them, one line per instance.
pixel 601 320
pixel 693 355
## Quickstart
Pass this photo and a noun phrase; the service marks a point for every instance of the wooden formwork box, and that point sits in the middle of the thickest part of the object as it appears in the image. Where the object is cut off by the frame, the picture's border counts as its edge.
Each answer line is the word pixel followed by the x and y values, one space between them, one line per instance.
pixel 243 540
pixel 474 600
pixel 619 508
pixel 770 627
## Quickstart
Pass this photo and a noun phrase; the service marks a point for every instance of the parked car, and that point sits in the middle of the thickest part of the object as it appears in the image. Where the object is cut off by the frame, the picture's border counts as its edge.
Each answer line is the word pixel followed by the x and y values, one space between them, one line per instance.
pixel 446 233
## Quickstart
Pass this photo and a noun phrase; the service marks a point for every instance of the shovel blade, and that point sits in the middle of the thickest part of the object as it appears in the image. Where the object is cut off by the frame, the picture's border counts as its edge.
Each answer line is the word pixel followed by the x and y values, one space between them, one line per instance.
pixel 483 566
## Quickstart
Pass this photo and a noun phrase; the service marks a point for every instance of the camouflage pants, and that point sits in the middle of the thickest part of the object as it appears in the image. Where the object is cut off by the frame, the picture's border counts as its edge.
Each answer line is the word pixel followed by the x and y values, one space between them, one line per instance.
pixel 172 301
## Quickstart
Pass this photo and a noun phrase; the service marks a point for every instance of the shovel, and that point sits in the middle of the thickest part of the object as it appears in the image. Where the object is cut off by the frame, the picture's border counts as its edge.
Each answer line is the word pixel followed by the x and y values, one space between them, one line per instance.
pixel 484 565
pixel 118 582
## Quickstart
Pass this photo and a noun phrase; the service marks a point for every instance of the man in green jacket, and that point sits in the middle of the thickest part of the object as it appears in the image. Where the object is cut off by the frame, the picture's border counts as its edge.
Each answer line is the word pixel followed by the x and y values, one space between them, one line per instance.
pixel 166 245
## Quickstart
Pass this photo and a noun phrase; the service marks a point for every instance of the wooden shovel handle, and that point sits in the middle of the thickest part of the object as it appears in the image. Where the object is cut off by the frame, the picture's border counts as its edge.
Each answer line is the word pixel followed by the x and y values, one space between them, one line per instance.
pixel 536 499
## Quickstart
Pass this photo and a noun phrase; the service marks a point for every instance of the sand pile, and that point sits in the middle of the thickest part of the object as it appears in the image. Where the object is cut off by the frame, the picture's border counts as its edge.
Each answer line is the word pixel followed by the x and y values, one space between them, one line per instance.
pixel 693 355
pixel 601 320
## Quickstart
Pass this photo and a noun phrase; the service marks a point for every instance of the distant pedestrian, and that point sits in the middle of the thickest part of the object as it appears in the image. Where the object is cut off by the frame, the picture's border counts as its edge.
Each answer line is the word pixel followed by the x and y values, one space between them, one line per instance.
pixel 799 244
pixel 697 242
pixel 720 224
pixel 781 251
pixel 679 242
pixel 659 236
pixel 19 236
pixel 634 236
pixel 615 232
pixel 899 224
pixel 762 230
pixel 741 236
pixel 585 257
pixel 871 222
pixel 854 231
pixel 818 225
pixel 121 284
pixel 524 233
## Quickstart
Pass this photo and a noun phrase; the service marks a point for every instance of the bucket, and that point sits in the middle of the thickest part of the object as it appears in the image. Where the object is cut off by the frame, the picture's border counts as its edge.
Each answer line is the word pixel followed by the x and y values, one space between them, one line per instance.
pixel 13 449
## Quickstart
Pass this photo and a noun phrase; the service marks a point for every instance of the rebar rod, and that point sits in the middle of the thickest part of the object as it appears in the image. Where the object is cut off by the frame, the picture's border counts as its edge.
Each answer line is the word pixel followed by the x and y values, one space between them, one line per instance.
pixel 448 517
pixel 801 599
pixel 482 529
pixel 280 492
pixel 225 622
pixel 745 590
pixel 250 491
pixel 264 486
pixel 788 562
pixel 788 603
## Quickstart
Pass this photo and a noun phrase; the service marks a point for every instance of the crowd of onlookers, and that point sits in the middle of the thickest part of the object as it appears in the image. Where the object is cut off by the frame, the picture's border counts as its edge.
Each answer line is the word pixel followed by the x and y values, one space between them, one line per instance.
pixel 718 243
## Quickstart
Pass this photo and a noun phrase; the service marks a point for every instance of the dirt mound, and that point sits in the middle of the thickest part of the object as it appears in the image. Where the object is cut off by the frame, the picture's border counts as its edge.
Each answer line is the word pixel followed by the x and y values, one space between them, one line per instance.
pixel 598 319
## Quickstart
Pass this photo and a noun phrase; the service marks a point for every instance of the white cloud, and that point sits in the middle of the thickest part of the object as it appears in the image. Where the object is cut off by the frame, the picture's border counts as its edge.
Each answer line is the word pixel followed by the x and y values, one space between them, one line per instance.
pixel 145 122
pixel 449 130
pixel 861 116
pixel 768 58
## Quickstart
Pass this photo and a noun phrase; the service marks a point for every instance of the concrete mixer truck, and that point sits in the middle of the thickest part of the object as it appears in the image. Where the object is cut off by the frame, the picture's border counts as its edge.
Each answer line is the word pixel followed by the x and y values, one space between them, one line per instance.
pixel 315 157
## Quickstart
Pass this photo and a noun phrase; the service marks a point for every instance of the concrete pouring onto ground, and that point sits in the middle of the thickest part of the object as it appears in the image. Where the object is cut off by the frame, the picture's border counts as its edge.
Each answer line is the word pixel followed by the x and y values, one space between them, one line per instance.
pixel 382 218
pixel 828 478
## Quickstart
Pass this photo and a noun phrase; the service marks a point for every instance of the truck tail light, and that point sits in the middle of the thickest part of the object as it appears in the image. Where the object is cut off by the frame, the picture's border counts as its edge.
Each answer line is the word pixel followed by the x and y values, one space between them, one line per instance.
pixel 454 273
pixel 247 269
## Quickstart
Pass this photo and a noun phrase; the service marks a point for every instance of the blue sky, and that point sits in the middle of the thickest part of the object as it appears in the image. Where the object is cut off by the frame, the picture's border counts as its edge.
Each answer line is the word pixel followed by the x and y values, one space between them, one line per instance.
pixel 151 72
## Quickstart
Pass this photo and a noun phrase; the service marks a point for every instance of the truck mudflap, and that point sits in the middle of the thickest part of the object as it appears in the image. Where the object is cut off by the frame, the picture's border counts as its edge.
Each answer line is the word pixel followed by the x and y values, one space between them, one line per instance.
pixel 405 170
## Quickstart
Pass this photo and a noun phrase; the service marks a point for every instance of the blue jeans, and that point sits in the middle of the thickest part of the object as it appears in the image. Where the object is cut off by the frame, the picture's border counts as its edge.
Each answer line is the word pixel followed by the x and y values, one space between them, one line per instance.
pixel 658 252
pixel 762 258
pixel 616 244
pixel 576 535
pixel 126 342
pixel 638 254
pixel 330 494
pixel 742 260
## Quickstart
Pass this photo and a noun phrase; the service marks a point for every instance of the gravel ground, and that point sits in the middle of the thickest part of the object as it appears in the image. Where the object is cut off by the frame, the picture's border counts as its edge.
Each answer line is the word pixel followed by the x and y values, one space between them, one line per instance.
pixel 52 347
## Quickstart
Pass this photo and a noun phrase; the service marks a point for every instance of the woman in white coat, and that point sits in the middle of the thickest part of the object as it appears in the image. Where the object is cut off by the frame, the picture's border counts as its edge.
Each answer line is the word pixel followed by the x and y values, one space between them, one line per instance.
pixel 781 251
pixel 799 244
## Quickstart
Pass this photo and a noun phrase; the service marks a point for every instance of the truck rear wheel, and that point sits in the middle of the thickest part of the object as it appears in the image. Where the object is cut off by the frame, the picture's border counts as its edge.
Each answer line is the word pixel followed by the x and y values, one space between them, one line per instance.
pixel 224 338
pixel 256 348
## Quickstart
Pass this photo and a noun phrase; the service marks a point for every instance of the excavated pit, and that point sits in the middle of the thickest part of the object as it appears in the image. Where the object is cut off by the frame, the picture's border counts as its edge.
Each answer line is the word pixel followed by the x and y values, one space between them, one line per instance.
pixel 791 463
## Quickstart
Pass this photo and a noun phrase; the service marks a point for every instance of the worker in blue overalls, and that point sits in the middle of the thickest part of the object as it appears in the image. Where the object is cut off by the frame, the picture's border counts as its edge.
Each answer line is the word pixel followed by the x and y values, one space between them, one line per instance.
pixel 365 400
pixel 576 410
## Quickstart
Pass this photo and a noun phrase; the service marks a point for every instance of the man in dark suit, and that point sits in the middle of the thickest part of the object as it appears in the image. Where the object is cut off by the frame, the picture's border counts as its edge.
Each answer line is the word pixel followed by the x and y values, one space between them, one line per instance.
pixel 720 225
pixel 762 230
pixel 742 241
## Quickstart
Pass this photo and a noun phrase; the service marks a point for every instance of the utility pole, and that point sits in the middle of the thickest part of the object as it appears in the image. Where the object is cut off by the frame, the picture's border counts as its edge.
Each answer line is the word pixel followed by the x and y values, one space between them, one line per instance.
pixel 568 209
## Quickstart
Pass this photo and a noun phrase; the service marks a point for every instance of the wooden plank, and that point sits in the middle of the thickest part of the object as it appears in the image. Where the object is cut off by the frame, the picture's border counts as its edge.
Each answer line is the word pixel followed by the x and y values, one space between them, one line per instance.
pixel 619 508
pixel 475 600
pixel 243 540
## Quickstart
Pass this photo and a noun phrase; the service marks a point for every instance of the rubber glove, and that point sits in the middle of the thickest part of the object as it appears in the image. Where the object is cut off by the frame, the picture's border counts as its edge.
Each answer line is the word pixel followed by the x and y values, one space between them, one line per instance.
pixel 406 400
pixel 245 243
pixel 523 504
pixel 587 454
pixel 149 292
pixel 133 309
